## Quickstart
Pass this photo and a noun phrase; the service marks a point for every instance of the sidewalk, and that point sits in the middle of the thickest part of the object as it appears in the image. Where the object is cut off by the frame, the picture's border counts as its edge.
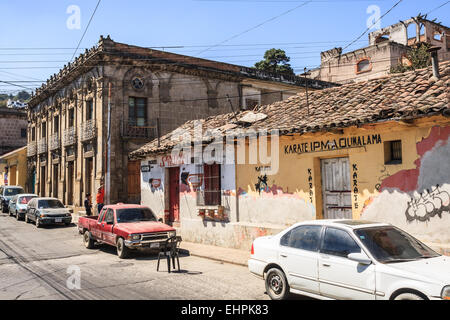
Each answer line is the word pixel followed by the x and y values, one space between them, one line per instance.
pixel 227 255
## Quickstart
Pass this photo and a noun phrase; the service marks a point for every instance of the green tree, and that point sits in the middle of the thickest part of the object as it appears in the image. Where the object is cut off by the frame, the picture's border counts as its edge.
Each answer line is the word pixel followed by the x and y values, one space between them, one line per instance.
pixel 23 95
pixel 275 60
pixel 418 56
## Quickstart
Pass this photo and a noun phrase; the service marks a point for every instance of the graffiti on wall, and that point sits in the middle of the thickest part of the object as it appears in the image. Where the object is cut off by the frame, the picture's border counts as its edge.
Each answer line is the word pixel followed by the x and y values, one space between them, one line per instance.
pixel 155 184
pixel 355 185
pixel 384 174
pixel 262 185
pixel 428 205
pixel 310 184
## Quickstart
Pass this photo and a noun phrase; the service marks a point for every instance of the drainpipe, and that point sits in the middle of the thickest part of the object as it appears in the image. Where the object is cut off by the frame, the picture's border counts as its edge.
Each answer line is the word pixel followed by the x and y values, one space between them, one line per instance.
pixel 434 60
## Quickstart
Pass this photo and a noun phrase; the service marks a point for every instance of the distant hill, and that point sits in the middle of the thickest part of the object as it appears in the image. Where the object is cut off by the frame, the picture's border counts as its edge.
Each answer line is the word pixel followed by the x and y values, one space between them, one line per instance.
pixel 22 96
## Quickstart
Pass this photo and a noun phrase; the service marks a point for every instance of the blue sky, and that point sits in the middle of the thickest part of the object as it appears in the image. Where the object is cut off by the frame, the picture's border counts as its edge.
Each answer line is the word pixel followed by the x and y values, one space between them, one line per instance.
pixel 26 26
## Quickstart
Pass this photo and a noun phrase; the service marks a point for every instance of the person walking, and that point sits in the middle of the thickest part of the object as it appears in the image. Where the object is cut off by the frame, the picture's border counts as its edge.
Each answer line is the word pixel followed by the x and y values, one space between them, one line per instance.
pixel 88 204
pixel 100 198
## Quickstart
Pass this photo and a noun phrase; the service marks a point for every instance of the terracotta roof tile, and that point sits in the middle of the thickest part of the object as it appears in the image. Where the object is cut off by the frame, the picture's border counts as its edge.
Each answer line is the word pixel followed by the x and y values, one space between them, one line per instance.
pixel 397 96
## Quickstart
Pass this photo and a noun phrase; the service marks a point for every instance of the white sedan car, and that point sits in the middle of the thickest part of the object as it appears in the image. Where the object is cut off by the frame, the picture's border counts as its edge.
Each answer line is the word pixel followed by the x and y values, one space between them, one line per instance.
pixel 349 259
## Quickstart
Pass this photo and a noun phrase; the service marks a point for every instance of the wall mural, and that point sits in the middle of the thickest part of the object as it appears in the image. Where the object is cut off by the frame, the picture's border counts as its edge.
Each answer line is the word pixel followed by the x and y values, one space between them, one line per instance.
pixel 429 182
pixel 428 204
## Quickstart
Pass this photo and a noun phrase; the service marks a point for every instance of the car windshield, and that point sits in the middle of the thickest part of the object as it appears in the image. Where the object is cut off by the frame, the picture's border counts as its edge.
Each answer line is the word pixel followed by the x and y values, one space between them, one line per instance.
pixel 135 215
pixel 26 199
pixel 390 245
pixel 13 191
pixel 50 204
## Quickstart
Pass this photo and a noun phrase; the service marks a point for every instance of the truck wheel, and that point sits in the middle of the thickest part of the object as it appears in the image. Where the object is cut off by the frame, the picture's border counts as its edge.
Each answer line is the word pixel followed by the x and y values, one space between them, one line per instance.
pixel 122 251
pixel 88 241
pixel 277 286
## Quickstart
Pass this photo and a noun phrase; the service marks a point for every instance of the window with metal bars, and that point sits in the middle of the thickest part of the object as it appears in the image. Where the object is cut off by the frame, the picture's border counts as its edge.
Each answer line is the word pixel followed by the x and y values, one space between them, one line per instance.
pixel 212 185
pixel 393 152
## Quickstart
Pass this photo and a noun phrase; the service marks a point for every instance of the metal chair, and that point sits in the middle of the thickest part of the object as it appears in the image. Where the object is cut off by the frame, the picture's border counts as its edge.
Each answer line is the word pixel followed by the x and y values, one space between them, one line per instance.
pixel 170 251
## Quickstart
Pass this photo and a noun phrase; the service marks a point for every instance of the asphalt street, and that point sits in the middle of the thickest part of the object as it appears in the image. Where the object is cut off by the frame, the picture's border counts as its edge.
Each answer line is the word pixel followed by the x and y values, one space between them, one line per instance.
pixel 52 263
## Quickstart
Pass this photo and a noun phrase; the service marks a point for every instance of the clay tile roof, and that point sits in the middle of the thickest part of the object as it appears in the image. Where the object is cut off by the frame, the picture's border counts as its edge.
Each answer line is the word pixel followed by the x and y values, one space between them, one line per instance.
pixel 404 96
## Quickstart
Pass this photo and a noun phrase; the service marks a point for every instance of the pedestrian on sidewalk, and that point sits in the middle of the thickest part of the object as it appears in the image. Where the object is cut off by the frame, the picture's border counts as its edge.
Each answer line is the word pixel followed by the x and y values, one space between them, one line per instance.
pixel 100 198
pixel 88 204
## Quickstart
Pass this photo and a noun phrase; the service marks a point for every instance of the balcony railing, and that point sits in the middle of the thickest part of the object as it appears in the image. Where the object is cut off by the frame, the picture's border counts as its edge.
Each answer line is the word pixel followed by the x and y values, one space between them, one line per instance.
pixel 42 146
pixel 88 130
pixel 131 130
pixel 55 142
pixel 31 149
pixel 70 137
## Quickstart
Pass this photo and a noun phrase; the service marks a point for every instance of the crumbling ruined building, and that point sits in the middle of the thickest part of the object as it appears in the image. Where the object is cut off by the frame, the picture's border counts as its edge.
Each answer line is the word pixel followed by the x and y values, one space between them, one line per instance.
pixel 387 48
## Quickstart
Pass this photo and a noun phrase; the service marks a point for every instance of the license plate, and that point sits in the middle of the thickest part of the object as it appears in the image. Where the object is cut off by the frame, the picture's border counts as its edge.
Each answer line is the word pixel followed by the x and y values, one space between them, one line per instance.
pixel 58 220
pixel 154 245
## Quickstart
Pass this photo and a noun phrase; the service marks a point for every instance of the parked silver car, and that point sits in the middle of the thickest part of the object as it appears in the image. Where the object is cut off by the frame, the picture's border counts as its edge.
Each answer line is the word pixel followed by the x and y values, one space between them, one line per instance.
pixel 45 211
pixel 18 205
pixel 6 193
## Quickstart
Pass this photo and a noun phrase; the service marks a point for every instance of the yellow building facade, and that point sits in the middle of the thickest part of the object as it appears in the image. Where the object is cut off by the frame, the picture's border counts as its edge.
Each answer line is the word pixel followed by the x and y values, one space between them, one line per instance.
pixel 13 168
pixel 352 174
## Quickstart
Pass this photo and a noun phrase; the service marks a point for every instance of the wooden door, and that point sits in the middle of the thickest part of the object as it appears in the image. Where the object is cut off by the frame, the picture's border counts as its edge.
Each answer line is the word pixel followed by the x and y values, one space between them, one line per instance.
pixel 55 181
pixel 12 174
pixel 134 182
pixel 70 179
pixel 337 201
pixel 88 172
pixel 174 194
pixel 43 181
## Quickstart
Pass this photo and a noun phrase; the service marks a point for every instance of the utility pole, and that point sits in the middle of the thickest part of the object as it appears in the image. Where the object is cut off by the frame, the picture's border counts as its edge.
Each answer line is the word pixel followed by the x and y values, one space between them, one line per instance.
pixel 306 83
pixel 108 151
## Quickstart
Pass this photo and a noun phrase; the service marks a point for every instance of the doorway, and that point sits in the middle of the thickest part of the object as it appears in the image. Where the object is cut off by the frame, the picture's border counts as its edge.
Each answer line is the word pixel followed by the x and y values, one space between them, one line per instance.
pixel 70 172
pixel 55 181
pixel 337 201
pixel 134 182
pixel 88 172
pixel 43 181
pixel 174 194
pixel 13 176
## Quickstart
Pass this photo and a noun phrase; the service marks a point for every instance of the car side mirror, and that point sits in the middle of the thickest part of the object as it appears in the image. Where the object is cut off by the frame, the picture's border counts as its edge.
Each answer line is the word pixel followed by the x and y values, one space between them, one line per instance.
pixel 360 257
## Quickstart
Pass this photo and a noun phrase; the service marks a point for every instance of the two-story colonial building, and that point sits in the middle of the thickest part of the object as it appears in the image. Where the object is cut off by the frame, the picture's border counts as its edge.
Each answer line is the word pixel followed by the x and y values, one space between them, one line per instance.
pixel 142 93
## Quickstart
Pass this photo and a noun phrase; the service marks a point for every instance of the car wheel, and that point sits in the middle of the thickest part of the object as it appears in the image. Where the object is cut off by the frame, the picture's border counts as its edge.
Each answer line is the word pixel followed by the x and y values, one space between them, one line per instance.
pixel 276 284
pixel 87 240
pixel 17 216
pixel 38 224
pixel 122 251
pixel 408 296
pixel 26 218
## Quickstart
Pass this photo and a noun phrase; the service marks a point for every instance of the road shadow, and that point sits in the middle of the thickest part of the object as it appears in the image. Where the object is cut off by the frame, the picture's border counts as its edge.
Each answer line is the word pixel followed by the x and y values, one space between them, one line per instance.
pixel 55 226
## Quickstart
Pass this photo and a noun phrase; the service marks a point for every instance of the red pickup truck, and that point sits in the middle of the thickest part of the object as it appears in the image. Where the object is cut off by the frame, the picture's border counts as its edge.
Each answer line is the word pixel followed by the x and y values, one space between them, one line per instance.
pixel 125 226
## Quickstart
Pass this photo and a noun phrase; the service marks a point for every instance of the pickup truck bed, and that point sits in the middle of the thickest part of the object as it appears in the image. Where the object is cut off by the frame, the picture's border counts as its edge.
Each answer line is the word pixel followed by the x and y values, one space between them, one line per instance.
pixel 85 223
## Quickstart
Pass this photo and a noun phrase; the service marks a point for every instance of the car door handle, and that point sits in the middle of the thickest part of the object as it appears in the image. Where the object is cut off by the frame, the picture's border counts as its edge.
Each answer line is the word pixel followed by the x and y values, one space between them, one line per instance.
pixel 283 255
pixel 103 225
pixel 326 264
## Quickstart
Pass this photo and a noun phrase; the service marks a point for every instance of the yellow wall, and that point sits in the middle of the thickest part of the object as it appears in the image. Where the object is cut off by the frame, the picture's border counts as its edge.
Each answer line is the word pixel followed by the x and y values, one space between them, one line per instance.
pixel 17 159
pixel 291 180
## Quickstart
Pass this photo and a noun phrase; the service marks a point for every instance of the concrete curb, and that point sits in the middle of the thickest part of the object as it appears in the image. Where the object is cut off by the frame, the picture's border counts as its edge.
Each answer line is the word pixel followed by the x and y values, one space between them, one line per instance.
pixel 194 254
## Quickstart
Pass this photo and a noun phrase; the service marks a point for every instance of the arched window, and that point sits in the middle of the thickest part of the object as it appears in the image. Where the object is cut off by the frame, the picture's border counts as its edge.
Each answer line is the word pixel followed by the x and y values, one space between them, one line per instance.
pixel 363 65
